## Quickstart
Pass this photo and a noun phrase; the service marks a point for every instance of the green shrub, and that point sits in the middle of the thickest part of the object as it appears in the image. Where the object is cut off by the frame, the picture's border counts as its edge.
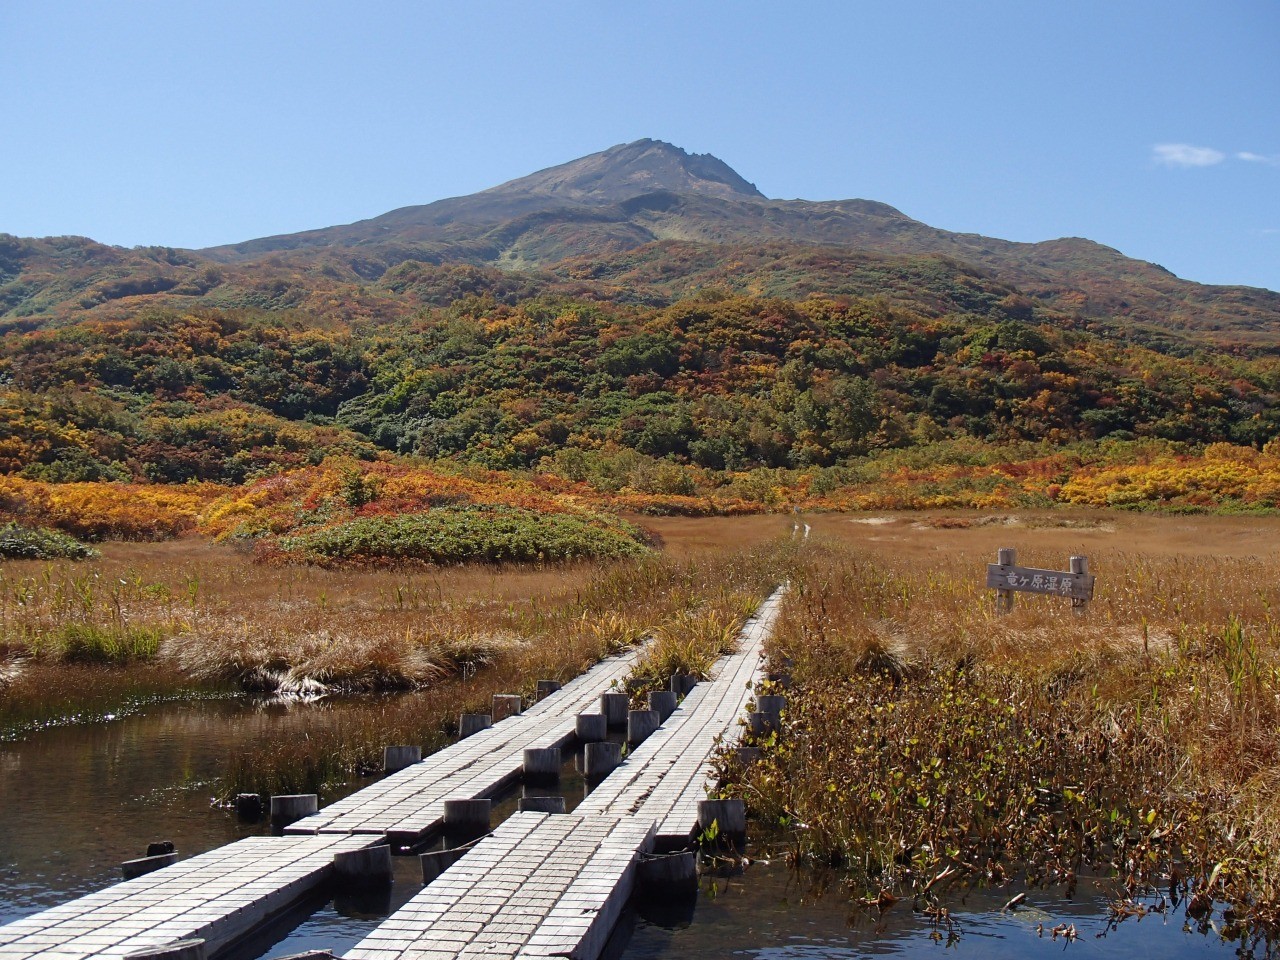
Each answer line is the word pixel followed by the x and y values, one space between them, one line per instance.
pixel 490 534
pixel 37 543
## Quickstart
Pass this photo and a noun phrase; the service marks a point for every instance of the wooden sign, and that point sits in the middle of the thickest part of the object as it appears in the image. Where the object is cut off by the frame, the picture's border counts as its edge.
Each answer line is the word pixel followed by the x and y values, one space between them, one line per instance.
pixel 1006 578
pixel 1077 586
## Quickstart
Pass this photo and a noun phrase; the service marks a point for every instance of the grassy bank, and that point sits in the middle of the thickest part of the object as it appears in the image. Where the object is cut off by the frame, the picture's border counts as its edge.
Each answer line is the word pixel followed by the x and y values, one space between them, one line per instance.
pixel 929 743
pixel 186 618
pixel 658 597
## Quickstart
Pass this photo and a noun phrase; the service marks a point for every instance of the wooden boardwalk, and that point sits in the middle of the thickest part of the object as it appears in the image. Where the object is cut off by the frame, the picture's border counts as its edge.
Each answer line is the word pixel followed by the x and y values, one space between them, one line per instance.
pixel 222 895
pixel 665 777
pixel 542 885
pixel 408 807
pixel 219 896
pixel 545 885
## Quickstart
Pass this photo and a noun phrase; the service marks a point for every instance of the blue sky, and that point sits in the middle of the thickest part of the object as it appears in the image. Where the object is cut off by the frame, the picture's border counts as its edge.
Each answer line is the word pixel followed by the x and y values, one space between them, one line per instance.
pixel 1150 127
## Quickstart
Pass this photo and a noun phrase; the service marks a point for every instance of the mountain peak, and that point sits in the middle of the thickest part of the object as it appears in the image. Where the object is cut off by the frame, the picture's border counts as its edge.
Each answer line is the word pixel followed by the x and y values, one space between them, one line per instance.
pixel 632 169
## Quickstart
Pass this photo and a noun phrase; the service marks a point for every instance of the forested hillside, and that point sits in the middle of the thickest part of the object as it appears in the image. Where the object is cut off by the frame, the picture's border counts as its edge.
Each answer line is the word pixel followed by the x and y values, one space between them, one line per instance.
pixel 750 370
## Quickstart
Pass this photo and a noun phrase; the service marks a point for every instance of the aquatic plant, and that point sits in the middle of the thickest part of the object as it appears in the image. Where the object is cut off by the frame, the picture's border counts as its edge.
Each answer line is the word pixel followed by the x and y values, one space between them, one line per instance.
pixel 928 742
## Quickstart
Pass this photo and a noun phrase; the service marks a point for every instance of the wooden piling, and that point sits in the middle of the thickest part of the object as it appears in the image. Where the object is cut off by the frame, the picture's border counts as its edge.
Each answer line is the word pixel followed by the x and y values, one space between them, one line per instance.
pixel 640 725
pixel 771 703
pixel 681 684
pixel 465 820
pixel 761 724
pixel 542 766
pixel 144 865
pixel 667 876
pixel 438 861
pixel 363 868
pixel 746 756
pixel 547 687
pixel 599 759
pixel 398 758
pixel 288 808
pixel 663 702
pixel 726 819
pixel 506 705
pixel 473 723
pixel 193 949
pixel 590 727
pixel 614 707
pixel 249 807
pixel 540 805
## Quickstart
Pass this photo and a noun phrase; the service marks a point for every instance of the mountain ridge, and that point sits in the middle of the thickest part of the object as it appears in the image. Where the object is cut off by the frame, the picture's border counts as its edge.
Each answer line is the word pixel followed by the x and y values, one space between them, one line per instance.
pixel 627 198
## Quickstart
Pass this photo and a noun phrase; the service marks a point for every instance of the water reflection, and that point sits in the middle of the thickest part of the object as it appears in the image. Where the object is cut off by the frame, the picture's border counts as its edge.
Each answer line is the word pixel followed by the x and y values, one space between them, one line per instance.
pixel 76 801
pixel 769 914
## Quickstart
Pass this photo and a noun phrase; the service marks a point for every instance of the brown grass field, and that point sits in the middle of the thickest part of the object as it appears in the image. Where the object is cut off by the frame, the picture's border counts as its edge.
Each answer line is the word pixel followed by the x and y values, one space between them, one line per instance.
pixel 928 742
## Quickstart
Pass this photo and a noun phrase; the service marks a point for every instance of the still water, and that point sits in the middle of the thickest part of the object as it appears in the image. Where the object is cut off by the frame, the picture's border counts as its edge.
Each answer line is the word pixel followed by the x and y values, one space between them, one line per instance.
pixel 77 800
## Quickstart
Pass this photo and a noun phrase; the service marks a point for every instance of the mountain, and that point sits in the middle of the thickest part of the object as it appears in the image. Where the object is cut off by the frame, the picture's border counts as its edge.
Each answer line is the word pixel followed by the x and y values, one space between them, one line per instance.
pixel 591 220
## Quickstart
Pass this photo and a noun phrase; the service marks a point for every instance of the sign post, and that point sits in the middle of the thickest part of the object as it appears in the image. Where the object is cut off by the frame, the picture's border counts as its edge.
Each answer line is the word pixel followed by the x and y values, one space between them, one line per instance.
pixel 1005 557
pixel 1007 578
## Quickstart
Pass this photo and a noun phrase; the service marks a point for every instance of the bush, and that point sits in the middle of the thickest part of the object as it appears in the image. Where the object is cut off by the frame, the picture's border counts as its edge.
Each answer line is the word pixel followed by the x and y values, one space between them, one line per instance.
pixel 489 534
pixel 37 543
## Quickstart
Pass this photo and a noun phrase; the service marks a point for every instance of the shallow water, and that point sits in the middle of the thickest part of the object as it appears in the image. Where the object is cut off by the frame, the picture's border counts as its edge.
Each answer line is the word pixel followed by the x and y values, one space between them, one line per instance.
pixel 76 801
pixel 767 913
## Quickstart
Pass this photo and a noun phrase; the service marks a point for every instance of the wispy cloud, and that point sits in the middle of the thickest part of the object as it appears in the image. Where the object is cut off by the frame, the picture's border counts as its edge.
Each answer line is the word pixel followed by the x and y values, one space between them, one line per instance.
pixel 1190 155
pixel 1186 155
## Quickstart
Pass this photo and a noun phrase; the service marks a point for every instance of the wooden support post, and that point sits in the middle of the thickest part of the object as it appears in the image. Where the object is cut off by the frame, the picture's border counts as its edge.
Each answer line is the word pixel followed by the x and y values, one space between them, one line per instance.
pixel 1006 556
pixel 288 808
pixel 192 949
pixel 249 807
pixel 746 756
pixel 1080 565
pixel 506 705
pixel 682 683
pixel 466 820
pixel 547 687
pixel 363 868
pixel 729 818
pixel 599 759
pixel 667 876
pixel 542 766
pixel 761 724
pixel 663 702
pixel 771 703
pixel 540 805
pixel 640 725
pixel 472 723
pixel 438 861
pixel 614 707
pixel 144 865
pixel 395 759
pixel 590 727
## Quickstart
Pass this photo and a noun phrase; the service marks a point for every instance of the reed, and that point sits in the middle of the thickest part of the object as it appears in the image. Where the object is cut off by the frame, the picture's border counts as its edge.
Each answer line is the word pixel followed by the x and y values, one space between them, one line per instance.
pixel 929 742
pixel 552 639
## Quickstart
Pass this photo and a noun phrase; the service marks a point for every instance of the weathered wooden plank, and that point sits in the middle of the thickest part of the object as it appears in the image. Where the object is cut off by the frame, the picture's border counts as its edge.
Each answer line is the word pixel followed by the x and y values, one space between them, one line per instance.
pixel 665 777
pixel 408 806
pixel 219 897
pixel 541 885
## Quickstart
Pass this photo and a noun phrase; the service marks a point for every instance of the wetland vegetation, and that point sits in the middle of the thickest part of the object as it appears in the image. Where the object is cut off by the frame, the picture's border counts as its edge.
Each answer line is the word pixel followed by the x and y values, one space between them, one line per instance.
pixel 928 745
